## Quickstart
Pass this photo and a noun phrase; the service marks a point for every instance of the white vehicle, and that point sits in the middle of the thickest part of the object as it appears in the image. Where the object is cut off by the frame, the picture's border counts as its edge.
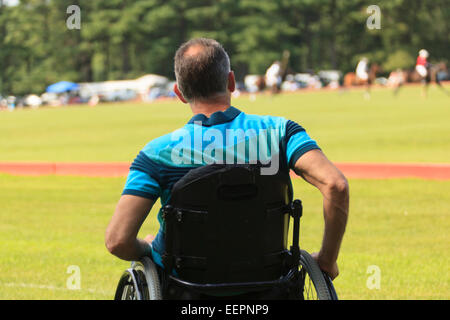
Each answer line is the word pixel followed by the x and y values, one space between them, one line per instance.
pixel 33 101
pixel 121 90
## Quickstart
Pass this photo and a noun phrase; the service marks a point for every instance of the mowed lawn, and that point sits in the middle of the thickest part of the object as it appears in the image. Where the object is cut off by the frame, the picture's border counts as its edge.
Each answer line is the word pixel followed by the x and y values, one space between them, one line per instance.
pixel 408 128
pixel 49 223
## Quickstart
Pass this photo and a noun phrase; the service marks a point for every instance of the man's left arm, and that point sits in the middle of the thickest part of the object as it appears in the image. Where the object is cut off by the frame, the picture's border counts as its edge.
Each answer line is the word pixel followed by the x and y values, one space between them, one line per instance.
pixel 121 234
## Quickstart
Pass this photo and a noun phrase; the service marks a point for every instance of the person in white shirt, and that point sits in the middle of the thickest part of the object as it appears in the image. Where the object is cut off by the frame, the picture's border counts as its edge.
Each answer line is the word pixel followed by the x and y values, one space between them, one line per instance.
pixel 273 76
pixel 362 69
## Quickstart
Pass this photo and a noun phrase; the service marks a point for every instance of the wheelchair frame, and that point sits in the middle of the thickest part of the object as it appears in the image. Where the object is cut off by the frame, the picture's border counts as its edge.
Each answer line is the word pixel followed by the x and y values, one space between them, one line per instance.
pixel 142 282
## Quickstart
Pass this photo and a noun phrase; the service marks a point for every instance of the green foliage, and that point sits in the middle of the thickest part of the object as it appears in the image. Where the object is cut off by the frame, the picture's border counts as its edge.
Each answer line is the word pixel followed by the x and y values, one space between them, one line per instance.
pixel 399 60
pixel 122 39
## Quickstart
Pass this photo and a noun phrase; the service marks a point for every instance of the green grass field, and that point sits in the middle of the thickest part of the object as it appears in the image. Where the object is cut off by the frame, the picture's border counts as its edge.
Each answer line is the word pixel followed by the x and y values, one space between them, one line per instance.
pixel 347 127
pixel 49 223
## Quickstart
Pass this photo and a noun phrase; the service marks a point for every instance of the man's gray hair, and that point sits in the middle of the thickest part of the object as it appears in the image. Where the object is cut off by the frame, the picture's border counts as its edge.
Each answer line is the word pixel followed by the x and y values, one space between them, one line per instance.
pixel 204 73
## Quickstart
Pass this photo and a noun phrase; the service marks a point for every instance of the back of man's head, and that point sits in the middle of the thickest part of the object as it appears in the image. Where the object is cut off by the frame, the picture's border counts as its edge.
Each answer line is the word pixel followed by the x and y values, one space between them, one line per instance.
pixel 201 68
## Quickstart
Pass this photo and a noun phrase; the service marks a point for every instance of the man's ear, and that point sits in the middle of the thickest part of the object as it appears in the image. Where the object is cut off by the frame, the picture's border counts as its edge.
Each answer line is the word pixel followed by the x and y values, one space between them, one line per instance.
pixel 178 93
pixel 231 82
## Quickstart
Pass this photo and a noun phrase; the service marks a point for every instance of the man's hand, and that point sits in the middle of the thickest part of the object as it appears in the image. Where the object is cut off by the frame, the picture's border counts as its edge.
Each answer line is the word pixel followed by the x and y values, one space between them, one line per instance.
pixel 329 268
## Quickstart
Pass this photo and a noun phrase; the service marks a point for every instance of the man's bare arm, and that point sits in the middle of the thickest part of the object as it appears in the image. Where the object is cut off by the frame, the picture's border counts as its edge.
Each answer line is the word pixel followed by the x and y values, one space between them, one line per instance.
pixel 121 234
pixel 315 168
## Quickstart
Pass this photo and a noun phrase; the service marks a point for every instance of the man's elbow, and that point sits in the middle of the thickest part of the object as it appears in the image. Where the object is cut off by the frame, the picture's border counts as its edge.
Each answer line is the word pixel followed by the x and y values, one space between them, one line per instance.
pixel 338 188
pixel 116 245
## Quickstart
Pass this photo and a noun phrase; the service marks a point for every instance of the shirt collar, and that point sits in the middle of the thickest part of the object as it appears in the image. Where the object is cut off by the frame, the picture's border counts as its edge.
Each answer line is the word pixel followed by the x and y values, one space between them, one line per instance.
pixel 216 118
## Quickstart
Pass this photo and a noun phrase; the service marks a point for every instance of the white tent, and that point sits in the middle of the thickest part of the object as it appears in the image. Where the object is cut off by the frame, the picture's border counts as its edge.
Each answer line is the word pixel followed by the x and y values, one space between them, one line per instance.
pixel 122 88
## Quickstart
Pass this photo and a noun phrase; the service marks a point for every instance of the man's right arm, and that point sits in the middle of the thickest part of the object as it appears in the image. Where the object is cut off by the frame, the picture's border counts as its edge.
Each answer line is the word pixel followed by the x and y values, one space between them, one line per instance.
pixel 316 169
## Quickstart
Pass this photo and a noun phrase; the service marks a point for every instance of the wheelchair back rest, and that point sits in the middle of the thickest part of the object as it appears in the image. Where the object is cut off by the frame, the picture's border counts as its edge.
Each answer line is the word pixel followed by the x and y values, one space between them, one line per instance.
pixel 228 224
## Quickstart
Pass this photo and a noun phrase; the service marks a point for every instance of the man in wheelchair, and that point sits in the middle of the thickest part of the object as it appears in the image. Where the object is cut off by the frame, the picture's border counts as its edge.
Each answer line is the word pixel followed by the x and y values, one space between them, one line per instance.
pixel 226 195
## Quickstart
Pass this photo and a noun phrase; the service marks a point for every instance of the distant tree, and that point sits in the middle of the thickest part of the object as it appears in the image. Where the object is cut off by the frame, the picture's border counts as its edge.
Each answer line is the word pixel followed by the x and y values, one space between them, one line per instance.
pixel 122 39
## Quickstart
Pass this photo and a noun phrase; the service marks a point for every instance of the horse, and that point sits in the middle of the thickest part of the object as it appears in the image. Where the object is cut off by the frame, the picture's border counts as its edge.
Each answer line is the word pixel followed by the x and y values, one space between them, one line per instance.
pixel 412 76
pixel 351 79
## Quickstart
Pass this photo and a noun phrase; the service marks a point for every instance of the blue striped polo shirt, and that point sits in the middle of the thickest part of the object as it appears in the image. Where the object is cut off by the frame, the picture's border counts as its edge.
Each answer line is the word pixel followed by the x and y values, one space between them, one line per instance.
pixel 227 137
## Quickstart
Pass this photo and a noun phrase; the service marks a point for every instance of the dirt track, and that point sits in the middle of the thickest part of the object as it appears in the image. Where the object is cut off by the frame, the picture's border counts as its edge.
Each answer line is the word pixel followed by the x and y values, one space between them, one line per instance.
pixel 120 169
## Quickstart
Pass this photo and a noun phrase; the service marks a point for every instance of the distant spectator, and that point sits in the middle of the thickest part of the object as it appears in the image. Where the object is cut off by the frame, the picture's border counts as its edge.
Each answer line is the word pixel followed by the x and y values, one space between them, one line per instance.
pixel 11 102
pixel 64 99
pixel 94 100
pixel 3 103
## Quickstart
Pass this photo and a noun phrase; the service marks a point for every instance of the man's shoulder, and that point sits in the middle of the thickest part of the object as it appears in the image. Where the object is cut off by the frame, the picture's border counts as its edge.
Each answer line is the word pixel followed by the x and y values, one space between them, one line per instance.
pixel 155 147
pixel 285 127
pixel 264 118
pixel 264 121
pixel 164 144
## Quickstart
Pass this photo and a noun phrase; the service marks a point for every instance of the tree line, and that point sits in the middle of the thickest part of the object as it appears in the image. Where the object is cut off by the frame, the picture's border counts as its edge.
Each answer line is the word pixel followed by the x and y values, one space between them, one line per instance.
pixel 124 39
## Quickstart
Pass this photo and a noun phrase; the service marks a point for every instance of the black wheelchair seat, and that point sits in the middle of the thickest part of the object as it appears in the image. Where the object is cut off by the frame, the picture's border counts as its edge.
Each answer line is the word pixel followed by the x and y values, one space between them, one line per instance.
pixel 226 228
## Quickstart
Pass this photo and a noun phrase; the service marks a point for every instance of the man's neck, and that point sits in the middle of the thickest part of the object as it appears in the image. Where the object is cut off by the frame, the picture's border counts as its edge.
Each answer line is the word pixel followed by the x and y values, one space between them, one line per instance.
pixel 209 107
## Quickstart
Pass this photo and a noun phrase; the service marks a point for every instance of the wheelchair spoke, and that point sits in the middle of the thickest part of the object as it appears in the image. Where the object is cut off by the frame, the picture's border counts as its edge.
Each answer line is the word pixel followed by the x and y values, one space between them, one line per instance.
pixel 129 292
pixel 140 282
pixel 316 284
pixel 309 289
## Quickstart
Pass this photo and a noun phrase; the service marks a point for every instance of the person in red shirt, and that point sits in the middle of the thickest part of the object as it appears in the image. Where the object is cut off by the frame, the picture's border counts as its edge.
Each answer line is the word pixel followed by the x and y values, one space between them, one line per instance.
pixel 422 63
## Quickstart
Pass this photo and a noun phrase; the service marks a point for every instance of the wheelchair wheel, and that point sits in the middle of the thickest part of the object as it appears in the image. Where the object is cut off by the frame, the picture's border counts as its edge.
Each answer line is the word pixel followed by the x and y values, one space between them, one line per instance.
pixel 316 284
pixel 127 289
pixel 140 282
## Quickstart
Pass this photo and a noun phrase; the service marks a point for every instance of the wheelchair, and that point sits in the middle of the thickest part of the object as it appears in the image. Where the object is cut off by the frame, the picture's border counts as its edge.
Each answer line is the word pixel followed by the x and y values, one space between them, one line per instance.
pixel 226 237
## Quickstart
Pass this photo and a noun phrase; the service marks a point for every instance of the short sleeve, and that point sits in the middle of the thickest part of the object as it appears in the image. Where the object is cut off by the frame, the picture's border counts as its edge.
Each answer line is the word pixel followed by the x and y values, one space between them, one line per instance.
pixel 298 142
pixel 143 178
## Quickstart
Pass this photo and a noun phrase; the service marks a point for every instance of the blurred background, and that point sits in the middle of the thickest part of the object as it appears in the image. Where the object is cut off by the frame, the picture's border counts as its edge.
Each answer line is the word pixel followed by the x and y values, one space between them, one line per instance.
pixel 128 39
